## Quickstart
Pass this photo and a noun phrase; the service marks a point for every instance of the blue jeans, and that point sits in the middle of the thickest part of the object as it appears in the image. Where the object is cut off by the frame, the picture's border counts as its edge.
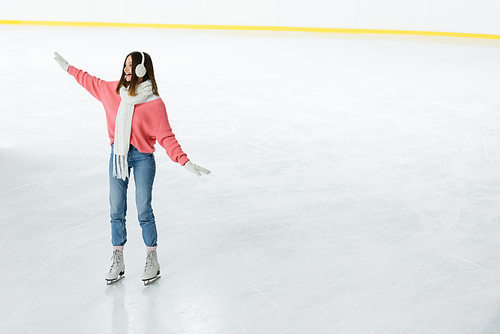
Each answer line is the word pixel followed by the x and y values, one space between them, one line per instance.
pixel 144 169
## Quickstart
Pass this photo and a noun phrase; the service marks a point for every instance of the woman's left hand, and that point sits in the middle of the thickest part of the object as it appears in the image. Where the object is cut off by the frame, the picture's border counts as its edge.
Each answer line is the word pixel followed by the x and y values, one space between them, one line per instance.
pixel 193 168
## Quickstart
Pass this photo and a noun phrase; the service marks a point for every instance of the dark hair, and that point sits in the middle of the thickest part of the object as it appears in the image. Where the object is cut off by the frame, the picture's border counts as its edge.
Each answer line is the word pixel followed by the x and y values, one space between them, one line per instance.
pixel 134 82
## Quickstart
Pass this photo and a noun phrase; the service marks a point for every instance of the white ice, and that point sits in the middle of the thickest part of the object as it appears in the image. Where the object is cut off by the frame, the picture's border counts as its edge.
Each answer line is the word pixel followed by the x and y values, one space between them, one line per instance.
pixel 355 185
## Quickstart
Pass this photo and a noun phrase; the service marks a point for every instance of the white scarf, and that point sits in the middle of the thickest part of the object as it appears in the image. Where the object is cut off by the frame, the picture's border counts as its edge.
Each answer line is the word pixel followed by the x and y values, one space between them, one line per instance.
pixel 123 126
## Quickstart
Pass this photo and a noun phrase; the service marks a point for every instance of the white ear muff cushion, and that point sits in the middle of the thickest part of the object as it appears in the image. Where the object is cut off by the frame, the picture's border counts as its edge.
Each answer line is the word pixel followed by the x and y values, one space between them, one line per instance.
pixel 140 70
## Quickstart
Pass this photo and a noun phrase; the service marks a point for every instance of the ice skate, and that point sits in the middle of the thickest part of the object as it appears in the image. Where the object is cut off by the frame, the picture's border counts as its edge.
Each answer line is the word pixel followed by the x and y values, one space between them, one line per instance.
pixel 152 269
pixel 117 270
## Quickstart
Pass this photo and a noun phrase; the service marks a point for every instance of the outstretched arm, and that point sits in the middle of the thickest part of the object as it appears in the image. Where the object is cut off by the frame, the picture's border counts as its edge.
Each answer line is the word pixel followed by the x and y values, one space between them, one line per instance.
pixel 166 138
pixel 92 84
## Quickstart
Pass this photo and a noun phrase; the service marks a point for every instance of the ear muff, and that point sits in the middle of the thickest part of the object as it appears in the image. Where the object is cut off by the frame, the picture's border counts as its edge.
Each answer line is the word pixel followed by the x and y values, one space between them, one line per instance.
pixel 140 69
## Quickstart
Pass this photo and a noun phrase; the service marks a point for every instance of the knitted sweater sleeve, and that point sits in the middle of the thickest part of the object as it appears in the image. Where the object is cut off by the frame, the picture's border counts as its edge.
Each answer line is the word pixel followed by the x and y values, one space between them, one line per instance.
pixel 92 84
pixel 167 140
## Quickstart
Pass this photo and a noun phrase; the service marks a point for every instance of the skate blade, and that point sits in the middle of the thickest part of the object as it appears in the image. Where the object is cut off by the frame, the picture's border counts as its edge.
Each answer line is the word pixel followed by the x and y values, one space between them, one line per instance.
pixel 151 280
pixel 113 281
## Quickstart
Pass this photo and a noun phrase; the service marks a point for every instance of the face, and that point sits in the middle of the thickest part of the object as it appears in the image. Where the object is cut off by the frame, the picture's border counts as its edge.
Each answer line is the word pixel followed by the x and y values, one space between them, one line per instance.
pixel 128 68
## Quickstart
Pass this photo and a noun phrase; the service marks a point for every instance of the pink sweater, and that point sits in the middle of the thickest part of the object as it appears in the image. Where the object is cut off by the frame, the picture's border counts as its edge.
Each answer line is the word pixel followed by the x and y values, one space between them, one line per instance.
pixel 150 122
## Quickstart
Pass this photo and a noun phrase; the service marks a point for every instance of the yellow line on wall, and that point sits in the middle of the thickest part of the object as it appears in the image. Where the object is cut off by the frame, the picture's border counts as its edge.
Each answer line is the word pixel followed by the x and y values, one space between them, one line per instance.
pixel 237 27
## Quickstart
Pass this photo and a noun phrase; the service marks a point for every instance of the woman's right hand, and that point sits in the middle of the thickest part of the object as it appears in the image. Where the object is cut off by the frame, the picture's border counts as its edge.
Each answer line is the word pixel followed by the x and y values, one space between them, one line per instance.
pixel 62 62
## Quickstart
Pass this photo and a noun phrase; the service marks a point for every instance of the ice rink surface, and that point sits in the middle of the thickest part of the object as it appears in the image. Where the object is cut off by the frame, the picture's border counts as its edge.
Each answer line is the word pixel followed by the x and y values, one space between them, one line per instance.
pixel 355 185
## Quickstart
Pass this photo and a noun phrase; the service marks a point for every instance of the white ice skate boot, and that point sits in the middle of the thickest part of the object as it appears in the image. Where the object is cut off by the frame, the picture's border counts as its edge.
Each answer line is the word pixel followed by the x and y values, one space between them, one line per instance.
pixel 117 270
pixel 152 269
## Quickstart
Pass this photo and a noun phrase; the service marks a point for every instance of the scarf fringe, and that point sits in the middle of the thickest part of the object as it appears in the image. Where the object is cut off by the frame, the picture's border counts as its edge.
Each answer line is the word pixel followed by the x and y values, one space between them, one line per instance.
pixel 120 167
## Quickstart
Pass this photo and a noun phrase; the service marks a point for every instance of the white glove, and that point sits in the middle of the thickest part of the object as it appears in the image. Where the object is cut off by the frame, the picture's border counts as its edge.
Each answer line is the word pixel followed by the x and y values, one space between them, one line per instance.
pixel 62 62
pixel 196 169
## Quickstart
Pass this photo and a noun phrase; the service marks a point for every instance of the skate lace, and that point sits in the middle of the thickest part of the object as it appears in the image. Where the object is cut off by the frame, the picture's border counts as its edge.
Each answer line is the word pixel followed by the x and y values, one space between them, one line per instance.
pixel 115 260
pixel 149 262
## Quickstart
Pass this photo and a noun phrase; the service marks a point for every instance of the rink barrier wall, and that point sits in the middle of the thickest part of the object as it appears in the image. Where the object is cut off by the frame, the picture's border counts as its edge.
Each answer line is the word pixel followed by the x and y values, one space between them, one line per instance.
pixel 254 28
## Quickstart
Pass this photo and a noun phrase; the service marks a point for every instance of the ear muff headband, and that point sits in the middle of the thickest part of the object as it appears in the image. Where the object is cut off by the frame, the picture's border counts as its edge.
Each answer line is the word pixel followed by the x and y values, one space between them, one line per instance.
pixel 140 69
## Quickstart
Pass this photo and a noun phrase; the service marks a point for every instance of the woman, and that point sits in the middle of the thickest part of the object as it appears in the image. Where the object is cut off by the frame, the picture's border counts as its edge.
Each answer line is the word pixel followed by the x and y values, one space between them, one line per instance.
pixel 137 119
